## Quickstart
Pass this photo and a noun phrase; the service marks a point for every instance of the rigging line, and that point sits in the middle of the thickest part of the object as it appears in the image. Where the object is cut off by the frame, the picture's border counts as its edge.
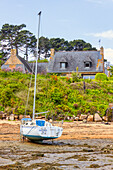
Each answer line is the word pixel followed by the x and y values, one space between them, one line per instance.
pixel 29 89
pixel 30 130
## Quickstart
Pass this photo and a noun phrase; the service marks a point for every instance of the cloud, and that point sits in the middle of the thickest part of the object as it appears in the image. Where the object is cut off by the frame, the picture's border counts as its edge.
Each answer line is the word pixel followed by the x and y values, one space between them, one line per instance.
pixel 107 34
pixel 108 54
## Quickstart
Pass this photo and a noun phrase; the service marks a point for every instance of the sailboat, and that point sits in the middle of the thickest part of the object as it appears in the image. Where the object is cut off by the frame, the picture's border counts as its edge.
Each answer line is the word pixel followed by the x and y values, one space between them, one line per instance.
pixel 38 129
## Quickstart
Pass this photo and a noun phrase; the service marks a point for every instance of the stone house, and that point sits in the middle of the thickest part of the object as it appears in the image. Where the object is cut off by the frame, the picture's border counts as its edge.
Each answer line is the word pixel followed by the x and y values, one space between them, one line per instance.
pixel 88 62
pixel 17 63
pixel 20 64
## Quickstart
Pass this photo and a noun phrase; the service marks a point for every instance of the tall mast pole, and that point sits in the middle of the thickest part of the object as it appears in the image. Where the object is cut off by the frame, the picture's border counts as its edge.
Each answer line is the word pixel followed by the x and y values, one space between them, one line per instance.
pixel 39 14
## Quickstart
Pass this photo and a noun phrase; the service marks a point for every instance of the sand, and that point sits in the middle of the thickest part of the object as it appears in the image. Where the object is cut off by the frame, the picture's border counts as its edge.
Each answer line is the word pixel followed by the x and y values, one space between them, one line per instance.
pixel 10 130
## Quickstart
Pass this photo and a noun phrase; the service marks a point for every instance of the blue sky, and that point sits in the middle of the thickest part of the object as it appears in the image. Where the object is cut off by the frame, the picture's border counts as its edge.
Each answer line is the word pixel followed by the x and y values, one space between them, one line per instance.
pixel 89 20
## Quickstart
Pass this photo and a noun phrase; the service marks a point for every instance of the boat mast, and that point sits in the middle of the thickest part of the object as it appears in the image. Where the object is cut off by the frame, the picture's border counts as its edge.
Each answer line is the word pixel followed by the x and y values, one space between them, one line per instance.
pixel 39 14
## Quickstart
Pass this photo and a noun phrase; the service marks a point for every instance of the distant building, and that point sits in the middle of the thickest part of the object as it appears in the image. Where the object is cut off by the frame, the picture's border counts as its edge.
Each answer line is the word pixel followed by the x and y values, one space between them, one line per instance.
pixel 88 62
pixel 16 62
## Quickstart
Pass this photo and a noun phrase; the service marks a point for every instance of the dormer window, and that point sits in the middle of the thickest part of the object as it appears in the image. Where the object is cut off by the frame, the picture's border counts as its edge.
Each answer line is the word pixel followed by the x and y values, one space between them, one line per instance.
pixel 63 65
pixel 87 64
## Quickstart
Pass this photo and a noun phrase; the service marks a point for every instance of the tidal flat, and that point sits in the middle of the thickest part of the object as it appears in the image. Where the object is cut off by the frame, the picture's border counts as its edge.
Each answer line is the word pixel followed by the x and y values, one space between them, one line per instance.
pixel 58 155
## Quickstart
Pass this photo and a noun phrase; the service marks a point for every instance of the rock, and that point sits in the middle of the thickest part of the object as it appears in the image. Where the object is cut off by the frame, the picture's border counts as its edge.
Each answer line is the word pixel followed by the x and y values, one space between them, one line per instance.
pixel 90 118
pixel 16 117
pixel 84 121
pixel 82 117
pixel 72 118
pixel 76 118
pixel 7 118
pixel 12 117
pixel 4 116
pixel 20 117
pixel 105 118
pixel 68 118
pixel 97 118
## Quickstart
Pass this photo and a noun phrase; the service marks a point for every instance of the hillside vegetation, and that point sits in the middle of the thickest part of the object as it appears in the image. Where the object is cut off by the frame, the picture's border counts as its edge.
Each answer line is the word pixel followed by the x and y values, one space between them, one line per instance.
pixel 54 93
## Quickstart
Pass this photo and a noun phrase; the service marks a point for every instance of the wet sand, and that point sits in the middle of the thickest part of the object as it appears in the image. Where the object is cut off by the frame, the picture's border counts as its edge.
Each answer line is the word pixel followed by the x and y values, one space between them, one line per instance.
pixel 82 146
pixel 60 155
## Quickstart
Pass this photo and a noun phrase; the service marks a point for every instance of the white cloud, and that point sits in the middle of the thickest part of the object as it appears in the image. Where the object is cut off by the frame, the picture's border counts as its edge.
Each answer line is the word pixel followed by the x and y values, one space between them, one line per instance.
pixel 108 54
pixel 106 34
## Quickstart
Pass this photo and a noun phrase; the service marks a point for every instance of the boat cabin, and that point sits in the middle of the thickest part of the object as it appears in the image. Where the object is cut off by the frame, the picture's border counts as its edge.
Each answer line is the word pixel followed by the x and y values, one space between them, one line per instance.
pixel 30 122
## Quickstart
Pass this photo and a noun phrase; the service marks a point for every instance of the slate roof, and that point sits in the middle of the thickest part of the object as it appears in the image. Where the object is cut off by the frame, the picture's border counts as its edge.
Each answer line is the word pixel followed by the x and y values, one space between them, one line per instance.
pixel 75 59
pixel 26 64
pixel 22 60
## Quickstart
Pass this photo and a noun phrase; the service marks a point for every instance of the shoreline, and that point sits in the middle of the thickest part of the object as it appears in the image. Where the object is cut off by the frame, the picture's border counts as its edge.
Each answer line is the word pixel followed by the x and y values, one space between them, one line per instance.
pixel 10 130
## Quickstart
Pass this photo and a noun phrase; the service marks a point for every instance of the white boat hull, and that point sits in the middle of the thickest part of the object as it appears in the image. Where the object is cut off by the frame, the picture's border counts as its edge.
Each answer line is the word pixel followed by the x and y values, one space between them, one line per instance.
pixel 37 133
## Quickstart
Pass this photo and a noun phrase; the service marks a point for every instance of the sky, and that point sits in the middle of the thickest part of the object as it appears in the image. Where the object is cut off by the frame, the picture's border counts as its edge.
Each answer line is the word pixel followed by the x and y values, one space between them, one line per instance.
pixel 89 20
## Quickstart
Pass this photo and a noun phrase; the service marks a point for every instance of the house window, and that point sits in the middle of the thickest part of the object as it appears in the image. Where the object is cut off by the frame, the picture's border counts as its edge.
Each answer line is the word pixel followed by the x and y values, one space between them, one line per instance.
pixel 63 65
pixel 87 64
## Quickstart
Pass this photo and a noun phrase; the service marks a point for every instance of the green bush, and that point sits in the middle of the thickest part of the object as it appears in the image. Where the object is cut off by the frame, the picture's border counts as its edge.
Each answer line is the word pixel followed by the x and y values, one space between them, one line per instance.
pixel 55 94
pixel 101 76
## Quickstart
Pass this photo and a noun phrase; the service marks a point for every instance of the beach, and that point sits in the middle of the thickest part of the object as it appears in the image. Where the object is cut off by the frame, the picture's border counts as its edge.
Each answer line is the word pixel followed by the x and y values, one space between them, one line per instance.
pixel 81 146
pixel 10 130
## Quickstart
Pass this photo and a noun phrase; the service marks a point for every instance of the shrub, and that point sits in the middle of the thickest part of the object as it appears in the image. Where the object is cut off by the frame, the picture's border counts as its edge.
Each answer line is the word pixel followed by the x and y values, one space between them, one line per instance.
pixel 101 76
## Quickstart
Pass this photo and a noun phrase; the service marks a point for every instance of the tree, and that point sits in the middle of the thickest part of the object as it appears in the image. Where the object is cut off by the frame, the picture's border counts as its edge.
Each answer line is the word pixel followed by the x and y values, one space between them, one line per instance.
pixel 28 41
pixel 80 45
pixel 59 44
pixel 77 45
pixel 10 34
pixel 44 46
pixel 15 37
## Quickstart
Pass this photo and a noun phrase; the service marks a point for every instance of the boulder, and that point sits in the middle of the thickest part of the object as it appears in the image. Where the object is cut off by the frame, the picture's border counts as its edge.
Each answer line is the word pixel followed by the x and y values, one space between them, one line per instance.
pixel 16 117
pixel 76 118
pixel 4 116
pixel 7 118
pixel 97 118
pixel 105 118
pixel 84 121
pixel 90 118
pixel 72 119
pixel 82 117
pixel 12 117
